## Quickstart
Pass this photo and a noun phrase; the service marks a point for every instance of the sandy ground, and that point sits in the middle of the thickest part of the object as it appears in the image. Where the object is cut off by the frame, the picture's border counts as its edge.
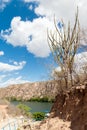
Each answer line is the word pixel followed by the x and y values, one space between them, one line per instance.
pixel 48 124
pixel 55 124
pixel 3 115
pixel 5 118
pixel 3 112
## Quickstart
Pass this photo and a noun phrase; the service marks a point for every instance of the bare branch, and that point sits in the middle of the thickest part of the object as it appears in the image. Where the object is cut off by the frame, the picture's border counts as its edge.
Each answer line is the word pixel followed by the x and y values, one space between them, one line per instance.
pixel 63 45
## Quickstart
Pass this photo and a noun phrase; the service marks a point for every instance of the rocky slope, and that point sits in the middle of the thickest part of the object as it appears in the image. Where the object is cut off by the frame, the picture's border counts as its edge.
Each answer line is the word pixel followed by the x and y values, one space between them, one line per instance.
pixel 48 124
pixel 30 90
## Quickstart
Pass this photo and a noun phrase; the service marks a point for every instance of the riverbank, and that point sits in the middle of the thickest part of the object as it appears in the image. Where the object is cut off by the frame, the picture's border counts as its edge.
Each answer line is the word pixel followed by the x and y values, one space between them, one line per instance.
pixel 8 120
pixel 49 123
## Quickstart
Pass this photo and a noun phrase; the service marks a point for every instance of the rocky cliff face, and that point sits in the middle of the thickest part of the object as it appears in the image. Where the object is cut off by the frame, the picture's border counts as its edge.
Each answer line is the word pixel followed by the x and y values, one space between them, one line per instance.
pixel 72 106
pixel 30 90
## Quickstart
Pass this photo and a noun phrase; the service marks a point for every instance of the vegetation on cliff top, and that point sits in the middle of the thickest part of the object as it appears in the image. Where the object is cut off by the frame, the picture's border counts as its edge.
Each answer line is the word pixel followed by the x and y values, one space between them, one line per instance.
pixel 34 99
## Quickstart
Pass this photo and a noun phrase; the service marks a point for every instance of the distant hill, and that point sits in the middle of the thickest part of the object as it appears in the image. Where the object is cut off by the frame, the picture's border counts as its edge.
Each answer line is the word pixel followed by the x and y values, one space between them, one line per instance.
pixel 29 91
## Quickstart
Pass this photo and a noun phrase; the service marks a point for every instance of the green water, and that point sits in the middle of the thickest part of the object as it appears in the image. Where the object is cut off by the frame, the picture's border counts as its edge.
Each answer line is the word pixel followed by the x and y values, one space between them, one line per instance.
pixel 37 106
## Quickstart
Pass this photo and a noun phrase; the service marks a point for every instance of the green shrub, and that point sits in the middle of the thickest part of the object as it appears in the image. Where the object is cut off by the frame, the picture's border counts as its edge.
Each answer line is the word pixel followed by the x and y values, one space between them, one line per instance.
pixel 25 110
pixel 11 99
pixel 38 116
pixel 35 99
pixel 43 99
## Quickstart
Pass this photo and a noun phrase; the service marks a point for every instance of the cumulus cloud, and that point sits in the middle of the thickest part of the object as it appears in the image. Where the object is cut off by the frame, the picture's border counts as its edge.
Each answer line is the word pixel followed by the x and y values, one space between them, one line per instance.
pixel 1 53
pixel 33 35
pixel 62 9
pixel 31 7
pixel 4 67
pixel 3 3
pixel 30 34
pixel 80 61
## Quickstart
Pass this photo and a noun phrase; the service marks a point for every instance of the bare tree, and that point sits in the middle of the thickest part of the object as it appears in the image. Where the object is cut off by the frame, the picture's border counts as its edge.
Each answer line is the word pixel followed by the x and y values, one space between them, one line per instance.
pixel 63 44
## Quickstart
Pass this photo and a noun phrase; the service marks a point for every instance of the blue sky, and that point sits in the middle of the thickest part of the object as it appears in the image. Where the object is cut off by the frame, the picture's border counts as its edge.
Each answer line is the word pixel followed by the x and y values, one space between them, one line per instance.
pixel 24 51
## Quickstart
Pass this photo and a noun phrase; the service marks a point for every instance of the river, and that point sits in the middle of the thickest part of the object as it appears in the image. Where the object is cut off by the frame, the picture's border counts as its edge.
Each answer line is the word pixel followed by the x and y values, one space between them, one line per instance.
pixel 37 106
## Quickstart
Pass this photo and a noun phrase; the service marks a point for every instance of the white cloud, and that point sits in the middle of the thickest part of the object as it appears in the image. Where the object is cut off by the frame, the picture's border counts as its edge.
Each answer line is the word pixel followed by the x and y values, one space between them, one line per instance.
pixel 62 9
pixel 12 81
pixel 1 53
pixel 33 34
pixel 3 3
pixel 31 7
pixel 30 34
pixel 15 63
pixel 4 67
pixel 80 61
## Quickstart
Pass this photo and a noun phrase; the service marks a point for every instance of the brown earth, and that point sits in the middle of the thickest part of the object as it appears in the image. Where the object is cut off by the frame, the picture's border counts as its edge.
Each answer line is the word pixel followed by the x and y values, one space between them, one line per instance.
pixel 3 112
pixel 72 106
pixel 48 124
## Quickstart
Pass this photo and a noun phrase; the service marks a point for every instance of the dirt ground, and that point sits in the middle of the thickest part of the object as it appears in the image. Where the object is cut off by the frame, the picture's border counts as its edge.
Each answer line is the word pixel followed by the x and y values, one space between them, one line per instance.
pixel 52 123
pixel 48 124
pixel 3 112
pixel 55 124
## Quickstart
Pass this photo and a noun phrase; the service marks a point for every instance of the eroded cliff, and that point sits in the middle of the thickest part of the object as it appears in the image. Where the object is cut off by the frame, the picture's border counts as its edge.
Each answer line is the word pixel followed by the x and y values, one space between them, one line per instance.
pixel 30 90
pixel 72 106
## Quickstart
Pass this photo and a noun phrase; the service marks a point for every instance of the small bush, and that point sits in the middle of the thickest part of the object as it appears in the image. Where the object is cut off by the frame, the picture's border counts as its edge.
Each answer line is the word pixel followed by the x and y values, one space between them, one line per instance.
pixel 38 116
pixel 43 99
pixel 25 110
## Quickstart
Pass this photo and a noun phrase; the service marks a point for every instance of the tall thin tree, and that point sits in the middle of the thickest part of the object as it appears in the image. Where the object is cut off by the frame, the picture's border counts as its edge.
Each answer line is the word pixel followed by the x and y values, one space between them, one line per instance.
pixel 63 43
